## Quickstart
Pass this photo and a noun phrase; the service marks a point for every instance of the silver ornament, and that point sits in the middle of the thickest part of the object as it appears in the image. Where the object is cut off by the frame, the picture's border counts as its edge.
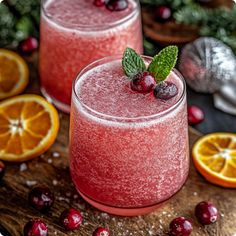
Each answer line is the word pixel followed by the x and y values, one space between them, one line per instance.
pixel 207 64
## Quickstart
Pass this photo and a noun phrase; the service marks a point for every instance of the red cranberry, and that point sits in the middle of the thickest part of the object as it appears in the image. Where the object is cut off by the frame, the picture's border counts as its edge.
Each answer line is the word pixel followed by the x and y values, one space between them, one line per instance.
pixel 41 198
pixel 28 45
pixel 35 227
pixel 99 3
pixel 162 13
pixel 117 5
pixel 180 227
pixel 2 170
pixel 101 232
pixel 165 90
pixel 143 82
pixel 195 115
pixel 206 213
pixel 71 219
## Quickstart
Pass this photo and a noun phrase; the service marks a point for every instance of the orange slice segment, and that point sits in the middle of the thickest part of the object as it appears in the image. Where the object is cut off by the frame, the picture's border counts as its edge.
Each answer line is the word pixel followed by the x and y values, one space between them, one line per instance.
pixel 28 127
pixel 14 74
pixel 214 156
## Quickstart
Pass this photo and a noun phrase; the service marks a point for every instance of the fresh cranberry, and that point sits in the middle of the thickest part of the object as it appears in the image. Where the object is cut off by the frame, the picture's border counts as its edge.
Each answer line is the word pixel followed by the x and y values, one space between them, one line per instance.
pixel 99 3
pixel 180 227
pixel 143 82
pixel 41 198
pixel 162 13
pixel 35 227
pixel 195 115
pixel 2 170
pixel 28 45
pixel 117 5
pixel 101 232
pixel 71 219
pixel 206 213
pixel 165 90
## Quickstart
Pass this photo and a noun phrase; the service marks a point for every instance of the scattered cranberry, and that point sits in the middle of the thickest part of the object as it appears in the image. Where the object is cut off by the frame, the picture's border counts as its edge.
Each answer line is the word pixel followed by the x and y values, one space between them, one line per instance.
pixel 206 213
pixel 165 90
pixel 116 5
pixel 35 227
pixel 99 3
pixel 28 45
pixel 71 219
pixel 101 232
pixel 41 198
pixel 162 13
pixel 195 115
pixel 180 227
pixel 2 170
pixel 143 82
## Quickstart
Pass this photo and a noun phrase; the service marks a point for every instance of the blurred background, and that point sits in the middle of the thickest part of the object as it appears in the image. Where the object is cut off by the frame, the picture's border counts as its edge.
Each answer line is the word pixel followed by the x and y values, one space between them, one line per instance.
pixel 196 26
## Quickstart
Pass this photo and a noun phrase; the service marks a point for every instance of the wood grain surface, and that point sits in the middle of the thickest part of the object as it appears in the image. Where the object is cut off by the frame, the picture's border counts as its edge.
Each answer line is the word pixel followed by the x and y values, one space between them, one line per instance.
pixel 52 169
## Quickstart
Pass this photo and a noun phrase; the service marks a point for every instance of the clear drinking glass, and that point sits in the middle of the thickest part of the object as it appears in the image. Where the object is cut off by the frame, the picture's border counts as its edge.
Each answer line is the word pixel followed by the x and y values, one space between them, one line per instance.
pixel 74 33
pixel 129 152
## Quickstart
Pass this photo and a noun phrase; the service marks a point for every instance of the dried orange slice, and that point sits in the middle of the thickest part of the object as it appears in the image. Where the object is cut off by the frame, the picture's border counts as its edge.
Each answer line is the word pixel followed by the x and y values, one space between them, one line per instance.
pixel 14 74
pixel 28 127
pixel 214 156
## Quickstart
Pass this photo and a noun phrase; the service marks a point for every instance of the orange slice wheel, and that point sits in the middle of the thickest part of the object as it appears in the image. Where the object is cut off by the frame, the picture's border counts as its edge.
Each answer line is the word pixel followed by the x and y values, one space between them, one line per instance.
pixel 14 74
pixel 214 156
pixel 28 127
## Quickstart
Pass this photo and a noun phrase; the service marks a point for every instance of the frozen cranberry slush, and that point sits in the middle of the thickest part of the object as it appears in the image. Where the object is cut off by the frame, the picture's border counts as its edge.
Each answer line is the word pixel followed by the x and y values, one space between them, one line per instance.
pixel 75 33
pixel 128 151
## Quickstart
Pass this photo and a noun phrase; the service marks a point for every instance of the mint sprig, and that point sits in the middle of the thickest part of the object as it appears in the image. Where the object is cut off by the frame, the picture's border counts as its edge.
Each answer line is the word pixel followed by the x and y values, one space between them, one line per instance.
pixel 132 63
pixel 163 63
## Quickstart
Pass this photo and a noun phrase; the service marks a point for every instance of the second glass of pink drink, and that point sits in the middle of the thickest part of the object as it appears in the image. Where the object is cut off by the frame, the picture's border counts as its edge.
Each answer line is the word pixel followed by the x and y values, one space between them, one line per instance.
pixel 129 152
pixel 75 33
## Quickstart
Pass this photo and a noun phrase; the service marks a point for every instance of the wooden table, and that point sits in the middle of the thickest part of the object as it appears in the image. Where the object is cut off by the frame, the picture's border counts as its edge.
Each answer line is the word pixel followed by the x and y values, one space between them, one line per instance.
pixel 53 171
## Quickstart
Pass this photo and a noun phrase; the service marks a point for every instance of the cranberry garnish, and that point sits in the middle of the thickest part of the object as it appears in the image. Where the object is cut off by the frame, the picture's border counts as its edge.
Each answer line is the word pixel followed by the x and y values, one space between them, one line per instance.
pixel 162 13
pixel 206 213
pixel 165 90
pixel 71 219
pixel 143 82
pixel 117 5
pixel 180 227
pixel 101 232
pixel 99 3
pixel 2 170
pixel 35 227
pixel 195 115
pixel 41 198
pixel 28 45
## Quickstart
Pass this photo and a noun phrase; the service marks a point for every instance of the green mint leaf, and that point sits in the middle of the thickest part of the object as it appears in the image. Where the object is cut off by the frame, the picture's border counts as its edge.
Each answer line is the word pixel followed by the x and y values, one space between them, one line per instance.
pixel 163 63
pixel 132 63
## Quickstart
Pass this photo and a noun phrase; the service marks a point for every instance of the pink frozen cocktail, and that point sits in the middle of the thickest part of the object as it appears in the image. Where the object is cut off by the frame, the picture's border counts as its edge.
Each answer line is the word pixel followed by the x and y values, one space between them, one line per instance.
pixel 128 151
pixel 75 33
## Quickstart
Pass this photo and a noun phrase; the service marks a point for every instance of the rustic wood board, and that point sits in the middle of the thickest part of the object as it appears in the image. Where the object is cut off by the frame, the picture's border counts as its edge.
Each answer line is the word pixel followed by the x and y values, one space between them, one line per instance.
pixel 54 172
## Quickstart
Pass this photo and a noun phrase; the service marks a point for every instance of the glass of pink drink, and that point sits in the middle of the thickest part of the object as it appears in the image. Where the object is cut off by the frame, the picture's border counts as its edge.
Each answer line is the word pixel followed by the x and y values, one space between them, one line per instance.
pixel 75 33
pixel 129 152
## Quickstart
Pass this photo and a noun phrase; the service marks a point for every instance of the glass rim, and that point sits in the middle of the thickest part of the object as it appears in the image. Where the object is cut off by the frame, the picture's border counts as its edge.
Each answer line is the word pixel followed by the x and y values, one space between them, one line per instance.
pixel 96 27
pixel 122 119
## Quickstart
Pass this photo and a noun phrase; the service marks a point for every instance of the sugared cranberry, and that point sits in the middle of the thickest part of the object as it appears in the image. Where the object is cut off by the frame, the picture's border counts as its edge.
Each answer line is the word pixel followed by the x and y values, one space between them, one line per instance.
pixel 195 115
pixel 180 227
pixel 101 232
pixel 162 13
pixel 143 82
pixel 35 227
pixel 41 198
pixel 206 213
pixel 71 219
pixel 165 90
pixel 28 45
pixel 2 170
pixel 117 5
pixel 99 3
